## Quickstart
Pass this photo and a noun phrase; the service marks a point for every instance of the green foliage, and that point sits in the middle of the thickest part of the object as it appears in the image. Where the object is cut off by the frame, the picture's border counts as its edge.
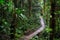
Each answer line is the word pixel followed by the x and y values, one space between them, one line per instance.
pixel 48 30
pixel 25 21
pixel 10 6
pixel 2 1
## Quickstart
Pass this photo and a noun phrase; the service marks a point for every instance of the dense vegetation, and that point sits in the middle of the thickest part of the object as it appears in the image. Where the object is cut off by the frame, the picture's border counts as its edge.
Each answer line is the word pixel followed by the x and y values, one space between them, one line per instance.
pixel 21 17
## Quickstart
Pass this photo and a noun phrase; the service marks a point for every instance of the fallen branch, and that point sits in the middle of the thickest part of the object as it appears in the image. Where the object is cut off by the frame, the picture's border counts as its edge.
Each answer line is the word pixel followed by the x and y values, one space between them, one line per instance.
pixel 37 31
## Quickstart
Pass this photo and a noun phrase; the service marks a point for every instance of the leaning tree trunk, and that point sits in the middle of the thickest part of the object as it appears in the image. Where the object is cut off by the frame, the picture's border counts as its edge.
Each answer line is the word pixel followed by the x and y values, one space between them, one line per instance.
pixel 28 37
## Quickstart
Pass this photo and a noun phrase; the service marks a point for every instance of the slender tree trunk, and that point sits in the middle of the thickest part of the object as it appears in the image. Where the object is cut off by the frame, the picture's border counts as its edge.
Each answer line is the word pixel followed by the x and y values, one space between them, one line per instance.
pixel 52 19
pixel 44 5
pixel 29 2
pixel 22 5
pixel 13 25
pixel 1 16
pixel 15 3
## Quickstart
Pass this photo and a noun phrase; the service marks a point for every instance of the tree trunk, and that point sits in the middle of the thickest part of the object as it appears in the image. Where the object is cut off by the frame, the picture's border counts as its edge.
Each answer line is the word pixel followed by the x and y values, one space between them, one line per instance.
pixel 29 2
pixel 13 26
pixel 52 19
